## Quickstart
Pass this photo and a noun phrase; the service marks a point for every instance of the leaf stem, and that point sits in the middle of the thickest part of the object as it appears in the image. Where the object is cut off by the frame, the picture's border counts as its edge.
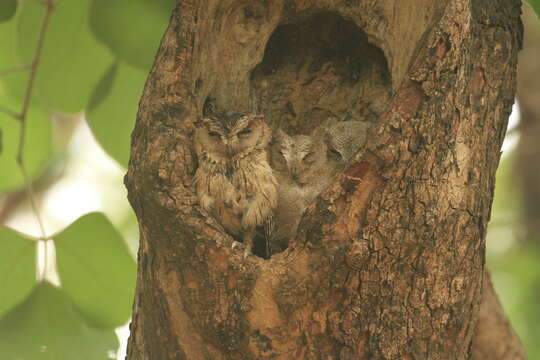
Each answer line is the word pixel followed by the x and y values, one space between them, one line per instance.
pixel 15 69
pixel 11 113
pixel 22 133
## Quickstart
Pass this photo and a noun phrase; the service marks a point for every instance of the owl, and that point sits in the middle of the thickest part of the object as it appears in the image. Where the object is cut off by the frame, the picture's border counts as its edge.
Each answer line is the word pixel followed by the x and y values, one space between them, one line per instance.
pixel 302 170
pixel 304 165
pixel 234 181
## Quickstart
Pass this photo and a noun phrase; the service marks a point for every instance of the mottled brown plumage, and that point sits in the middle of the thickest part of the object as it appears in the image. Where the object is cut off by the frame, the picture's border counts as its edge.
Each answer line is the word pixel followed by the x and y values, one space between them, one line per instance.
pixel 234 181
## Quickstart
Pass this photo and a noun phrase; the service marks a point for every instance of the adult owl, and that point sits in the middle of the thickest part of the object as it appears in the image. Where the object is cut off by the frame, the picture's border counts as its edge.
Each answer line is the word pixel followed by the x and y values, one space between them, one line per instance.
pixel 234 181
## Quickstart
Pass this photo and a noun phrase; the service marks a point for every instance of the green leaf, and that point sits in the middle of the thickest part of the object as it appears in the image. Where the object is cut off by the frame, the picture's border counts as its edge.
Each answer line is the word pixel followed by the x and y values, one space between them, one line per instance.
pixel 12 82
pixel 72 60
pixel 7 9
pixel 113 119
pixel 103 87
pixel 17 268
pixel 96 270
pixel 46 327
pixel 535 5
pixel 37 143
pixel 132 29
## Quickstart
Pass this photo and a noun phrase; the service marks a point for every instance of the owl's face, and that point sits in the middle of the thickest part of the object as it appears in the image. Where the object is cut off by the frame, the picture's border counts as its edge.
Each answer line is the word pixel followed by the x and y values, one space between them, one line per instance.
pixel 301 157
pixel 230 137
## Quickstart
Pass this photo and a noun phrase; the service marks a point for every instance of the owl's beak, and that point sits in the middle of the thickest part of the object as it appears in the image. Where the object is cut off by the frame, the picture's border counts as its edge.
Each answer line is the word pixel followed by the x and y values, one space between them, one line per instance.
pixel 294 172
pixel 233 147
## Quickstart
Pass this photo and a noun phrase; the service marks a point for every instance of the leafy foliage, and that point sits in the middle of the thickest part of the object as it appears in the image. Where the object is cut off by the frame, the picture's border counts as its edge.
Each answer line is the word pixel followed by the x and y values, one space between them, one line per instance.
pixel 96 270
pixel 134 36
pixel 96 56
pixel 37 143
pixel 12 83
pixel 47 327
pixel 72 60
pixel 113 106
pixel 17 268
pixel 7 9
pixel 535 5
pixel 116 113
pixel 515 263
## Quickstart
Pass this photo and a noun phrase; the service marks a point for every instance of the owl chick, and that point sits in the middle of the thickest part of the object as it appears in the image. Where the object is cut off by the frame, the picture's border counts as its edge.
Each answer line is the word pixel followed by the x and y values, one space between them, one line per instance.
pixel 304 165
pixel 302 170
pixel 234 181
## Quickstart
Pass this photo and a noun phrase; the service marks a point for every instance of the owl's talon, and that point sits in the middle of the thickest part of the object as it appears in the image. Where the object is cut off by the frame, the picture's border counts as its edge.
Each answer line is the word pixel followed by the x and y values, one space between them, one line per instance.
pixel 234 244
pixel 247 252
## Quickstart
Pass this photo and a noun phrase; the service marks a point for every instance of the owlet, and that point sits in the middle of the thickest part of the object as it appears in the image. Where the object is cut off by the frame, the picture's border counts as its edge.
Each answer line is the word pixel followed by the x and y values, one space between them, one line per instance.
pixel 304 165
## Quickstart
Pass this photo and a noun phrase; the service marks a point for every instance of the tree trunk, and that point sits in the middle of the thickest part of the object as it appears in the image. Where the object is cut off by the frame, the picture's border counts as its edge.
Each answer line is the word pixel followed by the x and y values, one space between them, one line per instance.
pixel 388 261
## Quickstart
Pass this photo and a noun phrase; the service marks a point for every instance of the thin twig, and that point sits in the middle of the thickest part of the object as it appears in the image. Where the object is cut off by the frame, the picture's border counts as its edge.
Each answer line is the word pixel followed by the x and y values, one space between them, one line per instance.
pixel 10 112
pixel 32 77
pixel 22 133
pixel 15 69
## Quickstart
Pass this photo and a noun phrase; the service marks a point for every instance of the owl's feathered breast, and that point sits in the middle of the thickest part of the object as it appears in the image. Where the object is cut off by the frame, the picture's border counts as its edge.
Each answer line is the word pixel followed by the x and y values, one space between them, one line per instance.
pixel 234 179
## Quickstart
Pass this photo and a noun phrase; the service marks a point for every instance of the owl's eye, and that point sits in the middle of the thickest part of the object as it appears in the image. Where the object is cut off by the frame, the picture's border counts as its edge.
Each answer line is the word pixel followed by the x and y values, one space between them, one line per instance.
pixel 213 134
pixel 244 132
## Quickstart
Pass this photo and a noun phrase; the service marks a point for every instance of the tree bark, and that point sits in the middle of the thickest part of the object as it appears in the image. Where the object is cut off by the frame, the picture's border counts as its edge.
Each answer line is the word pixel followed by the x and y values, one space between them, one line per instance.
pixel 388 261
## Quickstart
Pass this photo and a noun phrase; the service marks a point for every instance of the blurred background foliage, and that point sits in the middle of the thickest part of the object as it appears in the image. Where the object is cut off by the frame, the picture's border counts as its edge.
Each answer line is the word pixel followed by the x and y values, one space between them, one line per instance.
pixel 513 239
pixel 72 298
pixel 67 290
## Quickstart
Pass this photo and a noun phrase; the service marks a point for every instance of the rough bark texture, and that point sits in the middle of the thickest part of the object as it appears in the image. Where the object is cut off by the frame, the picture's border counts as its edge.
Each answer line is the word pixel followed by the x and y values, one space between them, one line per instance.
pixel 388 261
